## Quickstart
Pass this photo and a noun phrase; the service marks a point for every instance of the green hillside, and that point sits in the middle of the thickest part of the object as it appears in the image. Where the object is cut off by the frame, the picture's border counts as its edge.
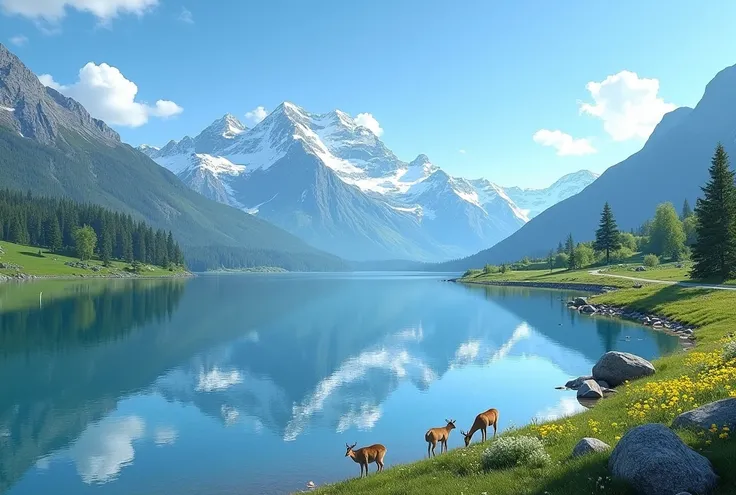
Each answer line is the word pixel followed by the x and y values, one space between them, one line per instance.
pixel 127 181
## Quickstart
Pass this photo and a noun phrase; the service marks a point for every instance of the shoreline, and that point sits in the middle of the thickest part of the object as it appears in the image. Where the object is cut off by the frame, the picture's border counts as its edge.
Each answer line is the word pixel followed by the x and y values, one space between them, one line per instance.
pixel 660 323
pixel 25 278
pixel 593 288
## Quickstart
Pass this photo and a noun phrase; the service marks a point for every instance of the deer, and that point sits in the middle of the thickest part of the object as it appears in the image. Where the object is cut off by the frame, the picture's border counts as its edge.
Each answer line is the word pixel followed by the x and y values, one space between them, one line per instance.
pixel 482 421
pixel 366 455
pixel 441 435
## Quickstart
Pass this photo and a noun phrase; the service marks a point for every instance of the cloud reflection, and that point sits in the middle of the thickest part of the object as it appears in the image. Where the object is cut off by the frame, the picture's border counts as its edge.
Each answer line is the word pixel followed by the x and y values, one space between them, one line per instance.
pixel 165 435
pixel 398 362
pixel 215 379
pixel 364 418
pixel 104 448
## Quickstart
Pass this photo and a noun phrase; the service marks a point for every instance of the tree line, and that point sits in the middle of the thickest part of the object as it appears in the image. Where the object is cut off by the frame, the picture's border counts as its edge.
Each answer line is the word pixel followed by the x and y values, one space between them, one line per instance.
pixel 707 234
pixel 62 225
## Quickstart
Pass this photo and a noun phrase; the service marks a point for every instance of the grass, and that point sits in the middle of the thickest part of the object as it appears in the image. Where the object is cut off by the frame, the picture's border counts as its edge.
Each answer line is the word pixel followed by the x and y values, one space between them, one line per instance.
pixel 683 381
pixel 48 264
pixel 555 276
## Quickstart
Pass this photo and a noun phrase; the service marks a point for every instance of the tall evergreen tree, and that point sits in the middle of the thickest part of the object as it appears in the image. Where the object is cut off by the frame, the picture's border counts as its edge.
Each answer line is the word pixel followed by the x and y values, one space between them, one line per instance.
pixel 551 259
pixel 687 212
pixel 572 262
pixel 53 234
pixel 560 248
pixel 714 251
pixel 607 237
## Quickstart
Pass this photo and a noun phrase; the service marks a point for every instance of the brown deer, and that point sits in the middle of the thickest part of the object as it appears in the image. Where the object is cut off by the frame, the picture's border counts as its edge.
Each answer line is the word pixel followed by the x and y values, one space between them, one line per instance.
pixel 366 455
pixel 482 421
pixel 441 435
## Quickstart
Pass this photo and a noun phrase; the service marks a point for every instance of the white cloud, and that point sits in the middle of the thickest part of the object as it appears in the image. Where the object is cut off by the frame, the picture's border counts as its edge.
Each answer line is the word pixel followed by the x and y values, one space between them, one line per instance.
pixel 368 121
pixel 256 115
pixel 186 16
pixel 108 95
pixel 104 448
pixel 54 10
pixel 19 40
pixel 628 105
pixel 462 152
pixel 565 144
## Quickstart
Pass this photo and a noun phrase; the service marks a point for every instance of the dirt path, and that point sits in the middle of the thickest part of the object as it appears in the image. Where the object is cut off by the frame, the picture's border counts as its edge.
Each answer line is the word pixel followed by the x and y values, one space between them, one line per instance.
pixel 665 282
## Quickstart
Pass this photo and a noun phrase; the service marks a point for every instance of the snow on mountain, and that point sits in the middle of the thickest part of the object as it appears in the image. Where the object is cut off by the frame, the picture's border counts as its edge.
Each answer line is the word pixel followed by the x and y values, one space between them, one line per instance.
pixel 364 202
pixel 534 201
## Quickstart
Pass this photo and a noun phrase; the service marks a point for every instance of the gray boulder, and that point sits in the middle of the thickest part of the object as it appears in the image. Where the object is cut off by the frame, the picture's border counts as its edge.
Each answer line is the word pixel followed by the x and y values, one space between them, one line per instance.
pixel 588 309
pixel 720 413
pixel 603 384
pixel 576 383
pixel 655 461
pixel 590 390
pixel 589 446
pixel 579 301
pixel 616 367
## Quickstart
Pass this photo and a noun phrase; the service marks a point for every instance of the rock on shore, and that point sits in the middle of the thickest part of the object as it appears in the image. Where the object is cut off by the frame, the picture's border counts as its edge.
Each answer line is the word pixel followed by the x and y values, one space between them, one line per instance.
pixel 617 367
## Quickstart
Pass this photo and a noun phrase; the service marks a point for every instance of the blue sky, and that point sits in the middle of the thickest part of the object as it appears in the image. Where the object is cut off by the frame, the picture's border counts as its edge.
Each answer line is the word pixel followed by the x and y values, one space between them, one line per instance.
pixel 470 85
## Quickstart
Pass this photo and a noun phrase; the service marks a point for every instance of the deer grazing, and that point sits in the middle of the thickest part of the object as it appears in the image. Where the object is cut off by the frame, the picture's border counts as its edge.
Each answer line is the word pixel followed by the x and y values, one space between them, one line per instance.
pixel 440 435
pixel 482 421
pixel 366 455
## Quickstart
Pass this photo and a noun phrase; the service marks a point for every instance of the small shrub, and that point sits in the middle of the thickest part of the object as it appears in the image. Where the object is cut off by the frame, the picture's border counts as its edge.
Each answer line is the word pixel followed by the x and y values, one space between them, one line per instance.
pixel 651 260
pixel 491 269
pixel 507 452
pixel 729 351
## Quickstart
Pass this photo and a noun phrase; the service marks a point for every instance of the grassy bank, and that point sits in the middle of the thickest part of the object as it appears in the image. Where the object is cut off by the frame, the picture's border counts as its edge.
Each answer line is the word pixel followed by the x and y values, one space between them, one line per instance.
pixel 683 381
pixel 41 263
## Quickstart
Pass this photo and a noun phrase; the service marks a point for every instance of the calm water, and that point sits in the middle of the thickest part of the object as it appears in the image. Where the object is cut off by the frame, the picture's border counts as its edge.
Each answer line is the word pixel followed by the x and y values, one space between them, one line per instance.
pixel 254 383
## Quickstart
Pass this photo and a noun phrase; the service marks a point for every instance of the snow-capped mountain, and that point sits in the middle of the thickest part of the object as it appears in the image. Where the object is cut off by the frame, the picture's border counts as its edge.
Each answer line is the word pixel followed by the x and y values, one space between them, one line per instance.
pixel 534 201
pixel 335 184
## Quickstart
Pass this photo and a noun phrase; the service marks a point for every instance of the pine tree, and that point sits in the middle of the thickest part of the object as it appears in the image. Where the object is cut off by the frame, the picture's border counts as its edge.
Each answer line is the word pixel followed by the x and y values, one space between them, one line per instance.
pixel 687 212
pixel 607 237
pixel 560 248
pixel 53 234
pixel 571 257
pixel 551 259
pixel 714 251
pixel 170 251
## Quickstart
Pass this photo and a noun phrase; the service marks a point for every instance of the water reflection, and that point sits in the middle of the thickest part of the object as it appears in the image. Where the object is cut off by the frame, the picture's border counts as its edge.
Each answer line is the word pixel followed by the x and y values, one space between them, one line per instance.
pixel 140 385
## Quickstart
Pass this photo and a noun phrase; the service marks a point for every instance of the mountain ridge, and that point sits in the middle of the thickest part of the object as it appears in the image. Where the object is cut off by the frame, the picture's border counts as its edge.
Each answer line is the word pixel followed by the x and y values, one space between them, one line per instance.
pixel 51 146
pixel 671 167
pixel 414 191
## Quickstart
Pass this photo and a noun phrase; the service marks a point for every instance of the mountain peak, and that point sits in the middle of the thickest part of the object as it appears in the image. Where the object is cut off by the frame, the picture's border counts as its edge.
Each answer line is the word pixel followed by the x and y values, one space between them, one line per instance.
pixel 421 159
pixel 227 126
pixel 40 112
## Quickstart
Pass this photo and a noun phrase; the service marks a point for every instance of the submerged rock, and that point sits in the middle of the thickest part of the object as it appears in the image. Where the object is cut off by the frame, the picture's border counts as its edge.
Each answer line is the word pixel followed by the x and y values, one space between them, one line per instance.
pixel 576 383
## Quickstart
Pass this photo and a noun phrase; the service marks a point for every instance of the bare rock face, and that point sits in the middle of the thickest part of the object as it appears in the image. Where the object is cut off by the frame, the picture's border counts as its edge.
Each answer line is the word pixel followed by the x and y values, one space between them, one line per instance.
pixel 616 367
pixel 655 461
pixel 40 113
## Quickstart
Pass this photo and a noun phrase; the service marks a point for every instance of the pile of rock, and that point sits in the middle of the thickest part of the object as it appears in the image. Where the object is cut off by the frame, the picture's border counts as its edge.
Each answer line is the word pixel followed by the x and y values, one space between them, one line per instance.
pixel 84 266
pixel 611 370
pixel 658 322
pixel 654 460
pixel 9 266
